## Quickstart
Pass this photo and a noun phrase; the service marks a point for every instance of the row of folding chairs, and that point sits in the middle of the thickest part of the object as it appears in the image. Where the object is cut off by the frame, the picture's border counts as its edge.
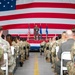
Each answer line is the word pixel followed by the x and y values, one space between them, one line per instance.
pixel 64 56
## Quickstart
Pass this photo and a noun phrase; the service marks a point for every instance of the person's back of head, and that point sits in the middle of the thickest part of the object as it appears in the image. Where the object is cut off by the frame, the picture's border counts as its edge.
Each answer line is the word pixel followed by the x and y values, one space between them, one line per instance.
pixel 63 35
pixel 69 34
pixel 3 36
pixel 9 38
pixel 73 30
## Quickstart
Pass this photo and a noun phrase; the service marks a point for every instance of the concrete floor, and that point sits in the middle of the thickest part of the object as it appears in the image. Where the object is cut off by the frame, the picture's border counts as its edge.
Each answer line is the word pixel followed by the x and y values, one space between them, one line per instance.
pixel 38 62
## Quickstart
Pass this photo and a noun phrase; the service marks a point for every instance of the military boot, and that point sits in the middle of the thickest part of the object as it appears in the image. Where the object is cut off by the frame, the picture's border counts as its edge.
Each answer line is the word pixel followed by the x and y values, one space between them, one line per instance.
pixel 1 72
pixel 10 73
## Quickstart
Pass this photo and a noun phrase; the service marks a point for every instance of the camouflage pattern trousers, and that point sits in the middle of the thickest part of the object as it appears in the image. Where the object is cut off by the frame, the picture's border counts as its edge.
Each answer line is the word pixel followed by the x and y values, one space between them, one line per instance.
pixel 1 72
pixel 71 68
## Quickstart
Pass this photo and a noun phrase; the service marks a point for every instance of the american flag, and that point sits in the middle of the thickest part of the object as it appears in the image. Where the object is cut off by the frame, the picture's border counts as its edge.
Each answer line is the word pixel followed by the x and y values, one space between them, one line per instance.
pixel 58 15
pixel 29 30
pixel 7 5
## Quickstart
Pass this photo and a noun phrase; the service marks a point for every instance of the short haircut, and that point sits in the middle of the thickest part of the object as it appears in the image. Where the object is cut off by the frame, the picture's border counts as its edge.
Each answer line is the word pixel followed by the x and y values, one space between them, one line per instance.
pixel 9 36
pixel 64 32
pixel 73 30
pixel 69 33
pixel 3 36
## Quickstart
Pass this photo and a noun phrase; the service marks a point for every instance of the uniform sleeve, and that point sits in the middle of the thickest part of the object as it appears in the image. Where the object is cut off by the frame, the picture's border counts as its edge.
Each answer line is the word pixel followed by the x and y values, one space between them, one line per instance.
pixel 9 48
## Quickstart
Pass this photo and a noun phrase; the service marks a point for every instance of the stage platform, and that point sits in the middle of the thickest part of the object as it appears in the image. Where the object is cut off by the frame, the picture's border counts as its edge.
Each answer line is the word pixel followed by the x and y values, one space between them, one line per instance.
pixel 35 44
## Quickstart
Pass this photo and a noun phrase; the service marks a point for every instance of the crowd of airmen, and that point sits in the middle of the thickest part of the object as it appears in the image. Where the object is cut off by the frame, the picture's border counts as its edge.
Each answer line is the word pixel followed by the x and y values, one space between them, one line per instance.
pixel 16 59
pixel 52 51
pixel 55 47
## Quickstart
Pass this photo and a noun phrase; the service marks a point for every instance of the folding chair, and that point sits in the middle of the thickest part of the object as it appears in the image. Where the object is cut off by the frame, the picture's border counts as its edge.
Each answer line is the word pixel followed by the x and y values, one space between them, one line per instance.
pixel 12 50
pixel 5 67
pixel 64 56
pixel 57 49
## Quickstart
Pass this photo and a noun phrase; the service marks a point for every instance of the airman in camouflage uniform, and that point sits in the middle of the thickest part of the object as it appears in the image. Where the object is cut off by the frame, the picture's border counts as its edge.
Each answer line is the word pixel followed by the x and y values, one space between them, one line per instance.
pixel 1 60
pixel 36 30
pixel 71 64
pixel 53 52
pixel 16 51
pixel 42 47
pixel 71 68
pixel 11 60
pixel 47 52
pixel 6 47
pixel 22 52
pixel 67 37
pixel 26 48
pixel 57 43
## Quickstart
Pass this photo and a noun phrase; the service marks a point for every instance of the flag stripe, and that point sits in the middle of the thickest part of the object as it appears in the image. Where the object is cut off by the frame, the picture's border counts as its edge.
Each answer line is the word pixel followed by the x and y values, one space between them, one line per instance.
pixel 25 31
pixel 32 36
pixel 48 5
pixel 57 1
pixel 43 25
pixel 57 14
pixel 38 20
pixel 38 10
pixel 38 15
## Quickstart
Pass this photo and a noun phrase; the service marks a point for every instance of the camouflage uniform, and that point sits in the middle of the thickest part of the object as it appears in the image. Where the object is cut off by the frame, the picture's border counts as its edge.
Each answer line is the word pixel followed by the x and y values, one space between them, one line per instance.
pixel 16 52
pixel 15 49
pixel 47 52
pixel 57 61
pixel 42 47
pixel 23 50
pixel 1 60
pixel 36 29
pixel 71 68
pixel 54 53
pixel 11 60
pixel 22 53
pixel 27 48
pixel 71 64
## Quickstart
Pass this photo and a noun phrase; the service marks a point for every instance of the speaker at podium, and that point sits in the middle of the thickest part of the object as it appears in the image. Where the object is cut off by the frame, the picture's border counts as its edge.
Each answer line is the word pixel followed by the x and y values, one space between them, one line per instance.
pixel 36 32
